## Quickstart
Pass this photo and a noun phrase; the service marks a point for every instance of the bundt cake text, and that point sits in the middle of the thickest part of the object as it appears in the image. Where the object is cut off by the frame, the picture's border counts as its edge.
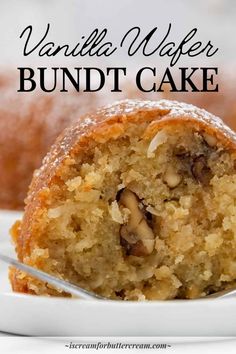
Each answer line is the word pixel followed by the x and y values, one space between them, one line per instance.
pixel 91 79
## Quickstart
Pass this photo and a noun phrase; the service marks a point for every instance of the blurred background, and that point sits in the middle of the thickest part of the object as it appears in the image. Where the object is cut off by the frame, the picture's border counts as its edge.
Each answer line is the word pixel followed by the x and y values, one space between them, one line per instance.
pixel 30 122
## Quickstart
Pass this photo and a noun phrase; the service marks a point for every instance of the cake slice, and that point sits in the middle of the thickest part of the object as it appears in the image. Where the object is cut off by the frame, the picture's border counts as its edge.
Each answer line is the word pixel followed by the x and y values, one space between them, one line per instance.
pixel 134 202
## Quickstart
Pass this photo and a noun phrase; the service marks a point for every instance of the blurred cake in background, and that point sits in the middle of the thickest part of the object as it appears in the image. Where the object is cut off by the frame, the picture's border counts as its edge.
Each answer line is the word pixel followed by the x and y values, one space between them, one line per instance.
pixel 29 124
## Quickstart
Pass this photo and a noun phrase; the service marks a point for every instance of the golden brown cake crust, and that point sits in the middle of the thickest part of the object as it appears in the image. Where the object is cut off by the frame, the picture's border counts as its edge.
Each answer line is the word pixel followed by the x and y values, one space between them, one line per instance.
pixel 107 123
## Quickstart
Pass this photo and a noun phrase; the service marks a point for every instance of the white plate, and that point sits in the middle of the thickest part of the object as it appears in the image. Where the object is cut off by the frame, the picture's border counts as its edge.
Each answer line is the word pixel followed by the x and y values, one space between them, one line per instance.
pixel 42 316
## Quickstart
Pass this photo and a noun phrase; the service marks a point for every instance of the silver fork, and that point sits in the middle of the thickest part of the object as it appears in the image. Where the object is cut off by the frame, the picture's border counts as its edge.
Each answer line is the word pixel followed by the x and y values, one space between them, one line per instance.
pixel 80 292
pixel 54 281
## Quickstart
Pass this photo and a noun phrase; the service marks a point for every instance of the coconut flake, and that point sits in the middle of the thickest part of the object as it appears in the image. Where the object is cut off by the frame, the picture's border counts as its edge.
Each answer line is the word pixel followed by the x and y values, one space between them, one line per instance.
pixel 116 213
pixel 159 139
pixel 54 213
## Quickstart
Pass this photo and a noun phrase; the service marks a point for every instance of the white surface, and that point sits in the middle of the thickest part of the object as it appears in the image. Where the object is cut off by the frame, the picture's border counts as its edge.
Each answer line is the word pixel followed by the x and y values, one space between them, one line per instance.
pixel 42 316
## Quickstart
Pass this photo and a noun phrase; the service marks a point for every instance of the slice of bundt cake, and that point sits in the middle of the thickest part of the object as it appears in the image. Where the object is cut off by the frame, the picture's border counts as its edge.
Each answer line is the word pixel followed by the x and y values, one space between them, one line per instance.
pixel 135 202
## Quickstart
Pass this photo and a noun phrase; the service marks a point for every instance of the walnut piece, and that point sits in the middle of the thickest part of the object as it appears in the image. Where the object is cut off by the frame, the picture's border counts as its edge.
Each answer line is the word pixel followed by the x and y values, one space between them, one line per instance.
pixel 200 170
pixel 136 236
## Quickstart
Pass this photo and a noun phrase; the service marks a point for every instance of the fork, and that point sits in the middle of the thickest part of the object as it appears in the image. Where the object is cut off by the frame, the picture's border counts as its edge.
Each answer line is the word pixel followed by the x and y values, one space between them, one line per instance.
pixel 52 280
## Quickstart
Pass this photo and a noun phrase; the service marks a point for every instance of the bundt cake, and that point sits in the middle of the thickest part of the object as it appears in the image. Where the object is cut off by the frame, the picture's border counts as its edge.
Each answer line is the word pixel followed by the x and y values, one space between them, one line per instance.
pixel 134 202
